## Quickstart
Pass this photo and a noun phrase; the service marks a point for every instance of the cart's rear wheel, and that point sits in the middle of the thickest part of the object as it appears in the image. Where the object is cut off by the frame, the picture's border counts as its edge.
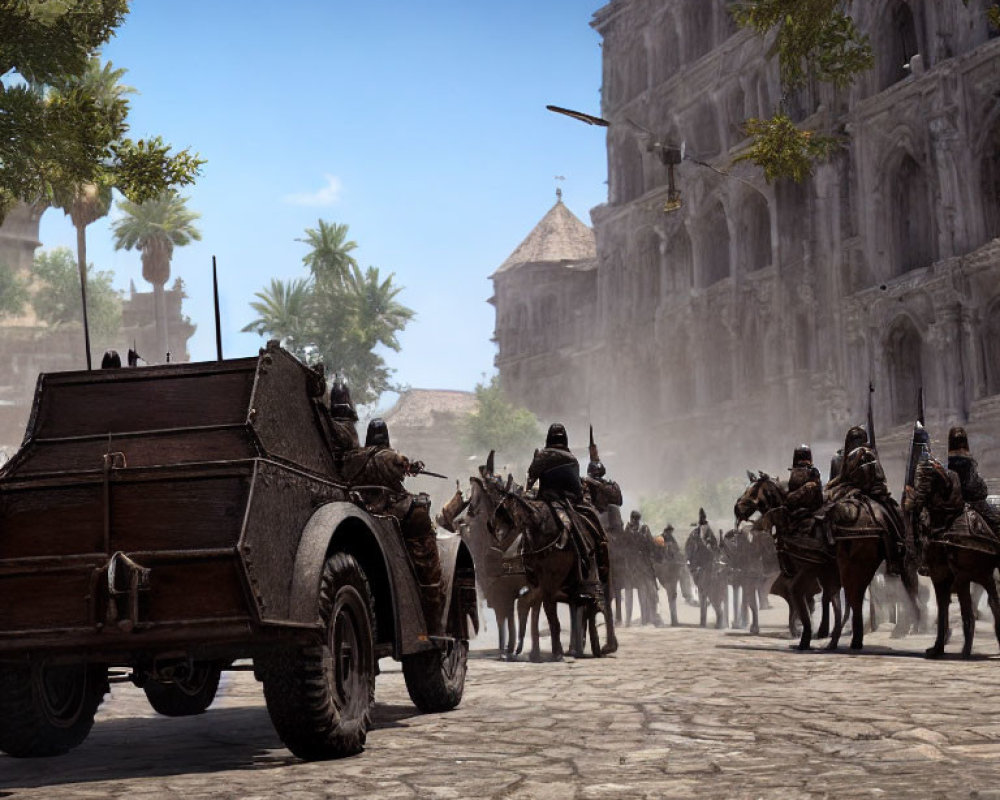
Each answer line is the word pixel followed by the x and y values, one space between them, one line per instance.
pixel 187 696
pixel 435 679
pixel 47 710
pixel 320 697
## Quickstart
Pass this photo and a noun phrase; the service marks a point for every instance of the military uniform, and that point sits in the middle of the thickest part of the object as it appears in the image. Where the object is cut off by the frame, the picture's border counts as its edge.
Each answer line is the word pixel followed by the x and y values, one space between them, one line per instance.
pixel 640 549
pixel 376 472
pixel 861 475
pixel 973 487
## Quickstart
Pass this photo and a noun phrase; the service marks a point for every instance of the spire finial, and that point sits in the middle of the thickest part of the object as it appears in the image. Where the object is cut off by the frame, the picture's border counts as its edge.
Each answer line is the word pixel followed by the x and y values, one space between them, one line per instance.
pixel 558 189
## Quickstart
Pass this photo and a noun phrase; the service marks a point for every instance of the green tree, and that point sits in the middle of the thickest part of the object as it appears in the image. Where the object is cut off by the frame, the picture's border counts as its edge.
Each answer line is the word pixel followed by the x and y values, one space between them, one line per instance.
pixel 155 228
pixel 13 292
pixel 498 424
pixel 680 508
pixel 339 315
pixel 54 131
pixel 814 40
pixel 56 300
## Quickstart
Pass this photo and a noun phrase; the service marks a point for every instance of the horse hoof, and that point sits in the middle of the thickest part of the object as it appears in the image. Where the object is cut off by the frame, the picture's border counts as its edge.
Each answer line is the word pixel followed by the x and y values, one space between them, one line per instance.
pixel 609 648
pixel 831 647
pixel 558 657
pixel 754 630
pixel 966 653
pixel 934 652
pixel 803 647
pixel 535 658
pixel 856 645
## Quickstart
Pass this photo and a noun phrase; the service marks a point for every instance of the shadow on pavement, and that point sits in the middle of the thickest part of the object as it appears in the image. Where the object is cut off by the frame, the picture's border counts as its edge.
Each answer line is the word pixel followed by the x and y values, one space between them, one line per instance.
pixel 880 651
pixel 124 748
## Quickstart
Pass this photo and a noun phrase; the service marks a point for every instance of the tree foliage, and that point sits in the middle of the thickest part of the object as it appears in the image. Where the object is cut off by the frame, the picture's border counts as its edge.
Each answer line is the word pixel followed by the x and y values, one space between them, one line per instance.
pixel 814 40
pixel 680 509
pixel 340 314
pixel 154 228
pixel 497 424
pixel 57 130
pixel 56 298
pixel 13 292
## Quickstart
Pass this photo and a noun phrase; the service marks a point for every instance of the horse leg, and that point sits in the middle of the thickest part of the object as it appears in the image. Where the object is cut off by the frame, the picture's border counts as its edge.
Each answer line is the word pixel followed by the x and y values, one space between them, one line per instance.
pixel 576 631
pixel 595 638
pixel 752 602
pixel 617 592
pixel 611 645
pixel 536 637
pixel 703 602
pixel 797 592
pixel 824 622
pixel 523 608
pixel 552 616
pixel 720 602
pixel 993 598
pixel 501 633
pixel 942 593
pixel 629 592
pixel 672 602
pixel 856 577
pixel 962 589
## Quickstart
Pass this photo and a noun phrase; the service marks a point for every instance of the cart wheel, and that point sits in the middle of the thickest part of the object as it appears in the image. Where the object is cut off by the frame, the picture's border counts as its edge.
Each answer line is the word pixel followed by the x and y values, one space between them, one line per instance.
pixel 320 697
pixel 435 679
pixel 184 698
pixel 47 710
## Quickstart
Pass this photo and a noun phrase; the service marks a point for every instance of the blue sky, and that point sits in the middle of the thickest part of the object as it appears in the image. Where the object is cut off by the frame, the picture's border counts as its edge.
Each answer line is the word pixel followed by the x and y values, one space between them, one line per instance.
pixel 420 125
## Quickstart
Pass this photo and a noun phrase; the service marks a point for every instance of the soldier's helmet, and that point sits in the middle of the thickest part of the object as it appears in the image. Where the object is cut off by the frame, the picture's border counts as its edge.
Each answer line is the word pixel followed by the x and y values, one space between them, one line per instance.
pixel 958 442
pixel 557 437
pixel 802 457
pixel 595 469
pixel 111 360
pixel 378 433
pixel 856 437
pixel 669 530
pixel 635 516
pixel 341 405
pixel 702 517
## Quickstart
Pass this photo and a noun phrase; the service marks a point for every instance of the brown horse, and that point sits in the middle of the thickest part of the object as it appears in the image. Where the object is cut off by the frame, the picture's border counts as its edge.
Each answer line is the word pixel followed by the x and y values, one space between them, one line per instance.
pixel 958 549
pixel 809 561
pixel 552 565
pixel 668 562
pixel 708 572
pixel 498 566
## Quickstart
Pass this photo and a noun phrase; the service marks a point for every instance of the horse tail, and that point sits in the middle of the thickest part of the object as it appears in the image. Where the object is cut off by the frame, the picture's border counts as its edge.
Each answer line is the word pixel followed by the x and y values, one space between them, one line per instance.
pixel 908 577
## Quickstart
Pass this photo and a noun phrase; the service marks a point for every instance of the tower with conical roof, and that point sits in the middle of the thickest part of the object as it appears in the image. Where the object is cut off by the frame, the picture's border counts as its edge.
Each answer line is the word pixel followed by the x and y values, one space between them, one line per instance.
pixel 545 295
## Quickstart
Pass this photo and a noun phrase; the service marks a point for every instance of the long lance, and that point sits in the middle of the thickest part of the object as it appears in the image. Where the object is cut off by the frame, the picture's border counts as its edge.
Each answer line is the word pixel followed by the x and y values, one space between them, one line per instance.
pixel 920 406
pixel 218 322
pixel 594 456
pixel 871 418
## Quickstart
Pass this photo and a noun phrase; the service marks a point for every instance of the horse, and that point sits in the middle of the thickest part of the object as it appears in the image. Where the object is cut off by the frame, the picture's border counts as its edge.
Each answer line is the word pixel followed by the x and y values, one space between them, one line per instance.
pixel 552 565
pixel 668 562
pixel 958 548
pixel 808 560
pixel 709 575
pixel 744 567
pixel 498 570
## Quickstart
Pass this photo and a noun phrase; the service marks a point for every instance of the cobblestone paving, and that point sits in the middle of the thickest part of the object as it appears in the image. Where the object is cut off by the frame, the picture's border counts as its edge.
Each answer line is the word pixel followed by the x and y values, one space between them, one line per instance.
pixel 678 713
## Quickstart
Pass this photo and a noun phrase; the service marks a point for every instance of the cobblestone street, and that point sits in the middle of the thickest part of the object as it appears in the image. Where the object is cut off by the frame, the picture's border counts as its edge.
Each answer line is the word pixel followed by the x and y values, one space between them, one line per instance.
pixel 679 712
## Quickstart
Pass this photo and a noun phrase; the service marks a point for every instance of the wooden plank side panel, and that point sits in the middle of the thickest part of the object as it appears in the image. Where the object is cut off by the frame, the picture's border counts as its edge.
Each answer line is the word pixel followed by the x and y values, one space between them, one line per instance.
pixel 48 600
pixel 191 590
pixel 178 447
pixel 137 403
pixel 51 521
pixel 178 513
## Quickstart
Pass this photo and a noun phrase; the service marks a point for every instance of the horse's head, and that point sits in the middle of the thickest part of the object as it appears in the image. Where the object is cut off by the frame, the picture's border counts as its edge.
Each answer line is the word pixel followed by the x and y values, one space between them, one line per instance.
pixel 763 494
pixel 455 506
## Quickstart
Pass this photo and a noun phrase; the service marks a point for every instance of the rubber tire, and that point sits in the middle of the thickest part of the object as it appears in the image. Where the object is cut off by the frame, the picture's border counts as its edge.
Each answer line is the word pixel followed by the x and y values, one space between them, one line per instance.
pixel 188 698
pixel 435 680
pixel 30 727
pixel 318 711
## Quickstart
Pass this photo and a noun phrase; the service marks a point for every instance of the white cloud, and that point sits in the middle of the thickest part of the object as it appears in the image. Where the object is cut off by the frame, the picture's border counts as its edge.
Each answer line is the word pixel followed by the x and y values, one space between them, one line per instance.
pixel 326 196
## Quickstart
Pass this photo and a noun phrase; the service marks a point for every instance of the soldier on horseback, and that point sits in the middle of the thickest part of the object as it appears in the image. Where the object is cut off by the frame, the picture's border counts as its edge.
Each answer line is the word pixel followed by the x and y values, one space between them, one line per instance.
pixel 640 548
pixel 974 490
pixel 861 476
pixel 376 473
pixel 557 472
pixel 805 498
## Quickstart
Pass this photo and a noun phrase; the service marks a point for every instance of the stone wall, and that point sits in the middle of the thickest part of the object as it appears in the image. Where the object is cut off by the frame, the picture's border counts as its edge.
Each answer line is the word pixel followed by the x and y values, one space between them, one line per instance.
pixel 753 317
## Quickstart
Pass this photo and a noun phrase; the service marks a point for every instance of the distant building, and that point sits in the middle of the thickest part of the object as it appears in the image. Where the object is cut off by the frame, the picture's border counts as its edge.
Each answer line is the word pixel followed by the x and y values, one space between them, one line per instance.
pixel 425 425
pixel 752 318
pixel 28 347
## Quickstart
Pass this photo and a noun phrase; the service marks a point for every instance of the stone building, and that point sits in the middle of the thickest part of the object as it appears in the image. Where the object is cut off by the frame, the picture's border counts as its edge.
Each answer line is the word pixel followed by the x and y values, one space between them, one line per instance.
pixel 754 316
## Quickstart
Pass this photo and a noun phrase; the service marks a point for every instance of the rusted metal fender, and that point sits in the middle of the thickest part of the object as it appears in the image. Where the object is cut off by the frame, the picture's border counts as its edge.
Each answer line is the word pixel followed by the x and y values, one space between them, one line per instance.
pixel 456 559
pixel 377 545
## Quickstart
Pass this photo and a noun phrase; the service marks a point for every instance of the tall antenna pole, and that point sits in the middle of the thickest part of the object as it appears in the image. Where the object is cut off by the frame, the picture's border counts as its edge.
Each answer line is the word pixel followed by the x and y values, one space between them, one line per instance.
pixel 83 297
pixel 218 323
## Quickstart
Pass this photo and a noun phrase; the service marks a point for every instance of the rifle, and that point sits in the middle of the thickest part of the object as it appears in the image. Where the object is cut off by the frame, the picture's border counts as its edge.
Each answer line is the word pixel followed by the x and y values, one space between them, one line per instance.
pixel 417 468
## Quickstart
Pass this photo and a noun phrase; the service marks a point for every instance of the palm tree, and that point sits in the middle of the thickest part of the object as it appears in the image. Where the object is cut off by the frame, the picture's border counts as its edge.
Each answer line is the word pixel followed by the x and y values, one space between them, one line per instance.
pixel 155 228
pixel 377 314
pixel 330 259
pixel 283 312
pixel 85 203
